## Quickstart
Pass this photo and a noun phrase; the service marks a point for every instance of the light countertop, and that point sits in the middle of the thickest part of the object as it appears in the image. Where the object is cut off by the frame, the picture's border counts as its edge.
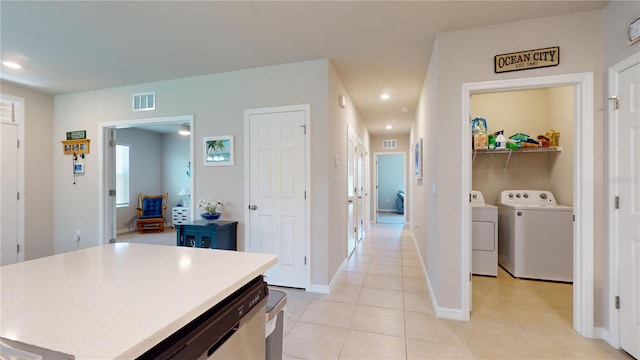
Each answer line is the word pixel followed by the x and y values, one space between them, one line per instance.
pixel 117 300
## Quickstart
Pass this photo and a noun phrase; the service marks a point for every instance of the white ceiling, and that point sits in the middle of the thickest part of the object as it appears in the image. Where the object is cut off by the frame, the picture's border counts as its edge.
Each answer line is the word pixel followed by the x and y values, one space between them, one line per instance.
pixel 380 46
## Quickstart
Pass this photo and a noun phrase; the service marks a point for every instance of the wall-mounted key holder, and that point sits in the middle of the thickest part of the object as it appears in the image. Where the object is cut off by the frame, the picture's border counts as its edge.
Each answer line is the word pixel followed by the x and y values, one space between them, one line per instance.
pixel 71 147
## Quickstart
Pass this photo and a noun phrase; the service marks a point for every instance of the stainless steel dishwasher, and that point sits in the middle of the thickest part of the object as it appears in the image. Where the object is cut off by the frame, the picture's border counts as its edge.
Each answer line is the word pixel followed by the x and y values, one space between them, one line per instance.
pixel 232 329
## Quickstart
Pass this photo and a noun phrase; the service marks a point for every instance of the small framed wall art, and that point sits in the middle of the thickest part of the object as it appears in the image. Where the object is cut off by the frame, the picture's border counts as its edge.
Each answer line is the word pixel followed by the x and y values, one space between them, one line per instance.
pixel 217 150
pixel 417 159
pixel 78 168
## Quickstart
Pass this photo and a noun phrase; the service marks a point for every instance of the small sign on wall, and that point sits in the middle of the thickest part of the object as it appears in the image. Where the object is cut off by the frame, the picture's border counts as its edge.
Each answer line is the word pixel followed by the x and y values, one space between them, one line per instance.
pixel 525 60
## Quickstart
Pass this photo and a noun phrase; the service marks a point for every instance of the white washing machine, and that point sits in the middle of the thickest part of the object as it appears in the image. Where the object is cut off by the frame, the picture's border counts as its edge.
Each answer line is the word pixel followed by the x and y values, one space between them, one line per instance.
pixel 535 235
pixel 484 236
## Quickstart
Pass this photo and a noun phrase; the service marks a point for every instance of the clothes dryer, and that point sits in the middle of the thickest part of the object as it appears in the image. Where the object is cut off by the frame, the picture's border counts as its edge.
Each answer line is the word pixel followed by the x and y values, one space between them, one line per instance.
pixel 535 235
pixel 484 238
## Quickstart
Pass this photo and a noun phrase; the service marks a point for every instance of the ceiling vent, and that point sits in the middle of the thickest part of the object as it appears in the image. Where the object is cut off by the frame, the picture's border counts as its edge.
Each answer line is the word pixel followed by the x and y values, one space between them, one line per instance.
pixel 389 144
pixel 144 101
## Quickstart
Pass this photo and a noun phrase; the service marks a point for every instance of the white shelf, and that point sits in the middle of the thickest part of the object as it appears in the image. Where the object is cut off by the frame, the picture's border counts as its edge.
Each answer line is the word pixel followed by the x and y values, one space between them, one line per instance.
pixel 511 151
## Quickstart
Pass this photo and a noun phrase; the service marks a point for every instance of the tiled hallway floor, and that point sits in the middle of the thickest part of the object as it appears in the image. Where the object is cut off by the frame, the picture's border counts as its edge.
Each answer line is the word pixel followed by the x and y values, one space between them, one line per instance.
pixel 380 309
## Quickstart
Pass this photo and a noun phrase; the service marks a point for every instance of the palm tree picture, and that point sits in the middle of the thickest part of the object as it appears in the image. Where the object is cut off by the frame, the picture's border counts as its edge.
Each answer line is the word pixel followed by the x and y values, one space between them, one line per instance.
pixel 218 150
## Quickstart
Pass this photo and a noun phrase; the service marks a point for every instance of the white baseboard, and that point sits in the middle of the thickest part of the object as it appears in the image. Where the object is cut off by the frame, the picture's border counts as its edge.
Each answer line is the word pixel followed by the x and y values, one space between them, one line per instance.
pixel 320 289
pixel 338 273
pixel 326 289
pixel 441 312
pixel 602 333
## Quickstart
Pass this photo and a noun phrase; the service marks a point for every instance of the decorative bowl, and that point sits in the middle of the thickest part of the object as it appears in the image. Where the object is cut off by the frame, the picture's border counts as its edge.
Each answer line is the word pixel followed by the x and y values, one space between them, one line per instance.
pixel 210 216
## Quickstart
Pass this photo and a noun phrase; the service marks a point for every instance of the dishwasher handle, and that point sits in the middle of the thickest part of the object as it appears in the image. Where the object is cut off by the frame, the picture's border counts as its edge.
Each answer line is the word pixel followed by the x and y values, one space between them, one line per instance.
pixel 223 339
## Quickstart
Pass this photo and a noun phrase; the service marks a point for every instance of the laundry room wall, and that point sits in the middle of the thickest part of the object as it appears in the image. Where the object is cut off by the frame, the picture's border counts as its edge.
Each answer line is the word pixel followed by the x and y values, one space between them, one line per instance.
pixel 560 101
pixel 533 112
pixel 524 111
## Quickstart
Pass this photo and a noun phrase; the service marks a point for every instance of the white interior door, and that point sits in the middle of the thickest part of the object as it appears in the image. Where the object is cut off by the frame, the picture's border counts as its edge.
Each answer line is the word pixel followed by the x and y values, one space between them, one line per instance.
pixel 8 193
pixel 351 192
pixel 277 193
pixel 629 216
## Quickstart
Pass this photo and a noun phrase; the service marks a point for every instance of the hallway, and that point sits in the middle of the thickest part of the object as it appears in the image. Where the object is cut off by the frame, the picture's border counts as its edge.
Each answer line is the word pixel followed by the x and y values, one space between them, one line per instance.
pixel 380 309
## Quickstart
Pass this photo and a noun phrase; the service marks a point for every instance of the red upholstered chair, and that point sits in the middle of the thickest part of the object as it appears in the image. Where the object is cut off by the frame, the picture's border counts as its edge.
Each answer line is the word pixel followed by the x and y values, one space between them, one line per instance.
pixel 151 211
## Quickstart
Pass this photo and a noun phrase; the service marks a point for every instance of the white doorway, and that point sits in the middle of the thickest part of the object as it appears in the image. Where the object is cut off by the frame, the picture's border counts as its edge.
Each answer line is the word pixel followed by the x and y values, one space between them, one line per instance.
pixel 11 180
pixel 276 154
pixel 624 208
pixel 107 176
pixel 583 164
pixel 390 172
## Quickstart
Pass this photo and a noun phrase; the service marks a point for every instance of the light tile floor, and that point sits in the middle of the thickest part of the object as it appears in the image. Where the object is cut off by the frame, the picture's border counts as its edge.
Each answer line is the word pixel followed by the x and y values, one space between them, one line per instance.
pixel 380 309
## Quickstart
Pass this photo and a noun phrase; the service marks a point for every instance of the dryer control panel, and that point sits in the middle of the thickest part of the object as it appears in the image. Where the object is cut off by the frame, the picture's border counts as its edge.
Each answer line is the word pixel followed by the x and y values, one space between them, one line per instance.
pixel 528 197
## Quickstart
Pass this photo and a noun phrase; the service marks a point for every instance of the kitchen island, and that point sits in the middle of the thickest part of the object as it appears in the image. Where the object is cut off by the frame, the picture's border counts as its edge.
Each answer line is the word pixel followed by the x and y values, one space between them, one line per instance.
pixel 119 300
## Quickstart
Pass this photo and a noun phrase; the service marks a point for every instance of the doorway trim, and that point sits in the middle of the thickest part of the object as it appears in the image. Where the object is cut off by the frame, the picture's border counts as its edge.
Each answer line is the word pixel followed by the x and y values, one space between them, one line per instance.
pixel 104 220
pixel 583 168
pixel 375 177
pixel 612 336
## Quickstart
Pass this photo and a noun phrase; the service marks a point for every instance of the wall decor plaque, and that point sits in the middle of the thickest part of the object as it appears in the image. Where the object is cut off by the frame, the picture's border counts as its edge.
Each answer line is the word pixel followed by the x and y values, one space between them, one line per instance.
pixel 525 60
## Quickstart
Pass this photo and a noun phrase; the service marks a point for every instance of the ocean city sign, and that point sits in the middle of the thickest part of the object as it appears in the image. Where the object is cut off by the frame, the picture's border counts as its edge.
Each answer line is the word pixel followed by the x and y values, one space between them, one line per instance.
pixel 525 60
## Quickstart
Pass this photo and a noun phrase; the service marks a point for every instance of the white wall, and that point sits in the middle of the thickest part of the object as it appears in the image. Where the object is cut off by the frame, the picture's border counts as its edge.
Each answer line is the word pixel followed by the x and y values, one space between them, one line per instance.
pixel 390 180
pixel 145 171
pixel 175 162
pixel 334 146
pixel 38 146
pixel 423 203
pixel 533 112
pixel 579 37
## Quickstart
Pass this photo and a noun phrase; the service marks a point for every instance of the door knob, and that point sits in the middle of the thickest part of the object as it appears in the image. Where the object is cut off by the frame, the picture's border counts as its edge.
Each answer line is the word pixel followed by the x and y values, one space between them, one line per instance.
pixel 253 207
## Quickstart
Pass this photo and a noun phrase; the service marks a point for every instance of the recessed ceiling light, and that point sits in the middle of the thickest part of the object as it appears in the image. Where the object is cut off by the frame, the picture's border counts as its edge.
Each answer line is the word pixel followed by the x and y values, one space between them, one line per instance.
pixel 389 127
pixel 384 96
pixel 11 64
pixel 405 109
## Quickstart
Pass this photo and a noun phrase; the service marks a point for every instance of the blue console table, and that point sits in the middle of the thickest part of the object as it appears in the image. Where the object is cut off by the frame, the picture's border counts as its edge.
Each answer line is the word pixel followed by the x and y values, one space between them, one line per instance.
pixel 219 234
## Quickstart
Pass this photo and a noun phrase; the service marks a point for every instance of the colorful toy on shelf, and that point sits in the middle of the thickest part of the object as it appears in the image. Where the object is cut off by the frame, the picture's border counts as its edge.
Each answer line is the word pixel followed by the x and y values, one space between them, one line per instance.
pixel 519 137
pixel 544 141
pixel 479 131
pixel 553 138
pixel 501 141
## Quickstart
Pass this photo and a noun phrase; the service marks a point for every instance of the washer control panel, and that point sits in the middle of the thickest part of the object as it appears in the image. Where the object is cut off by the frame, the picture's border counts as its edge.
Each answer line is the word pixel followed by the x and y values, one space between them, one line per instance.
pixel 527 197
pixel 477 198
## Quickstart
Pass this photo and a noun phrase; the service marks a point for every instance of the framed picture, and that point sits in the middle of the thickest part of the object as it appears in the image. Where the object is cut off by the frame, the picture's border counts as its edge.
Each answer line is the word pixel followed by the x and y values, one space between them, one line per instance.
pixel 78 168
pixel 217 150
pixel 417 159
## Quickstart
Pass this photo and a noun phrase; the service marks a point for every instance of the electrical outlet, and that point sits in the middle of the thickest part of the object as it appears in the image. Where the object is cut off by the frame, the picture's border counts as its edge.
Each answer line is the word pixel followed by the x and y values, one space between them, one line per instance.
pixel 76 236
